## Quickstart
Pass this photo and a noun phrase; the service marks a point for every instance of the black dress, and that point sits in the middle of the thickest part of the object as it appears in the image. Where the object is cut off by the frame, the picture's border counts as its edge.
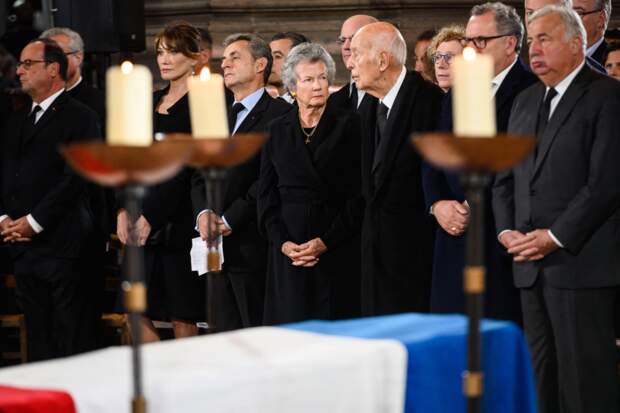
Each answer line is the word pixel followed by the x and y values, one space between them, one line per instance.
pixel 308 191
pixel 174 291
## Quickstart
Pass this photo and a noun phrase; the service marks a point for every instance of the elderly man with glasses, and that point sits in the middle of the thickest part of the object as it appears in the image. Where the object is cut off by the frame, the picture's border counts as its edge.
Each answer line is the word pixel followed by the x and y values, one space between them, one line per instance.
pixel 496 30
pixel 595 16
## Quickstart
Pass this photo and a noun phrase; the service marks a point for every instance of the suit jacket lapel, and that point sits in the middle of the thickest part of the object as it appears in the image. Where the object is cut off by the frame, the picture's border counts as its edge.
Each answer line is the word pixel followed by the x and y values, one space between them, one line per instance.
pixel 47 116
pixel 395 129
pixel 255 115
pixel 562 111
pixel 506 89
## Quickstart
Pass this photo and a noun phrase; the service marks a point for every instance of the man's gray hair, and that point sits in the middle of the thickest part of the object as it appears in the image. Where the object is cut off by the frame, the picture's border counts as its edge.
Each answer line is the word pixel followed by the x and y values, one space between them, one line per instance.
pixel 76 44
pixel 259 48
pixel 573 26
pixel 309 53
pixel 507 20
pixel 604 5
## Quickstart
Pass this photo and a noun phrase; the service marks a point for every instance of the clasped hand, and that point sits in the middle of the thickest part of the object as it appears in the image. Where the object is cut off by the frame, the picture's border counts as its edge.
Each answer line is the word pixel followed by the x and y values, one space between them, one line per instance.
pixel 18 230
pixel 452 216
pixel 215 223
pixel 132 233
pixel 533 246
pixel 306 254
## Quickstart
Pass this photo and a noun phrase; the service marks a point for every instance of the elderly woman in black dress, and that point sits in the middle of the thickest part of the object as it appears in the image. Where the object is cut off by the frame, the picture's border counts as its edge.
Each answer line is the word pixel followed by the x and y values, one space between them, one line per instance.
pixel 308 198
pixel 166 227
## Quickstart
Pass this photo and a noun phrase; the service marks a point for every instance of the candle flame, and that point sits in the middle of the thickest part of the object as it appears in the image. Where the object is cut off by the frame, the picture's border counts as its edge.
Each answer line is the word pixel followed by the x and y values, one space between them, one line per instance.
pixel 205 74
pixel 469 53
pixel 127 67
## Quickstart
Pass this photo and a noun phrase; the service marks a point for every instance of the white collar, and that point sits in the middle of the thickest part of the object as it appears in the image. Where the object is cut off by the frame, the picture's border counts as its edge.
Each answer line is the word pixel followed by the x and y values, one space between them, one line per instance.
pixel 44 105
pixel 76 83
pixel 499 79
pixel 590 51
pixel 565 83
pixel 389 99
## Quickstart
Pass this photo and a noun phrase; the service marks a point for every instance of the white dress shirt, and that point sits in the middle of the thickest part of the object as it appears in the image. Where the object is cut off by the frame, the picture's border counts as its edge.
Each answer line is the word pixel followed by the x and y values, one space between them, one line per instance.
pixel 496 83
pixel 44 105
pixel 389 99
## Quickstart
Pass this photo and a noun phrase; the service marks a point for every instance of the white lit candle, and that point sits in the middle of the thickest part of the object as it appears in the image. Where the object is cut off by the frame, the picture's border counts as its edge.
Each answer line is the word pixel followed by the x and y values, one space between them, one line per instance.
pixel 207 105
pixel 472 102
pixel 129 105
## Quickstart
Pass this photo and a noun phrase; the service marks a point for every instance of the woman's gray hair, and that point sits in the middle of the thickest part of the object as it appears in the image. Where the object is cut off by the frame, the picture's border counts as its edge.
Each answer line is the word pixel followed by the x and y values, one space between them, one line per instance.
pixel 573 26
pixel 507 20
pixel 76 44
pixel 310 53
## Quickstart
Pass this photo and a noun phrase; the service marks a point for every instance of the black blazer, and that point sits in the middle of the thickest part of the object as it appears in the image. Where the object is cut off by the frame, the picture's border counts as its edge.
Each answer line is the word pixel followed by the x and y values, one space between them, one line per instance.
pixel 239 190
pixel 571 186
pixel 341 99
pixel 91 97
pixel 396 255
pixel 35 179
pixel 599 53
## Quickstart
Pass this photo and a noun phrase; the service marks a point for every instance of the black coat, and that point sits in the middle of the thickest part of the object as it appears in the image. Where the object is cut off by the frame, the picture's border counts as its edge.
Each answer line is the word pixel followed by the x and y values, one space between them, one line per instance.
pixel 501 297
pixel 599 53
pixel 308 191
pixel 244 248
pixel 571 187
pixel 397 232
pixel 91 97
pixel 342 99
pixel 35 179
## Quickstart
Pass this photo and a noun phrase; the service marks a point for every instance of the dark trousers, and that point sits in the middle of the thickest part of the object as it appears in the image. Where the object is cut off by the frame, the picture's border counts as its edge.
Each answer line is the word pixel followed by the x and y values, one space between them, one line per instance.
pixel 50 293
pixel 239 297
pixel 570 334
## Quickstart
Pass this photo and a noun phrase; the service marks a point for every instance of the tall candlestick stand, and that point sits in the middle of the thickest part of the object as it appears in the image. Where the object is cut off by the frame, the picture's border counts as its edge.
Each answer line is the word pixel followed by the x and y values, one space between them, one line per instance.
pixel 212 157
pixel 478 159
pixel 132 169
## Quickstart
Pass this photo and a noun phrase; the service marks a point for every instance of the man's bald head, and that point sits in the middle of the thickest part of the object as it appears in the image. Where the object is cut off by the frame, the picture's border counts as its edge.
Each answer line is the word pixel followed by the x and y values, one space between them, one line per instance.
pixel 348 30
pixel 378 54
pixel 382 37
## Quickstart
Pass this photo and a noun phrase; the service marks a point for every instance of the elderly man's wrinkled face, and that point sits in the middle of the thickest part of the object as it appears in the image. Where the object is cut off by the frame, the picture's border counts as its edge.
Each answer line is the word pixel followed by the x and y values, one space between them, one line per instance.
pixel 312 85
pixel 593 19
pixel 552 55
pixel 363 64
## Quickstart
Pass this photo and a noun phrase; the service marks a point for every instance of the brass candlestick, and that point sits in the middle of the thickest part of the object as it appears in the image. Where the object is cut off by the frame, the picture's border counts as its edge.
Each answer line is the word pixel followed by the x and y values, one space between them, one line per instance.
pixel 132 169
pixel 478 158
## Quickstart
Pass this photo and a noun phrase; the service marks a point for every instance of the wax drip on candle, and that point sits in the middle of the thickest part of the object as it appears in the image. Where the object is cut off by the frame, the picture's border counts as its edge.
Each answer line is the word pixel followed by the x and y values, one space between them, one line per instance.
pixel 205 74
pixel 469 53
pixel 127 67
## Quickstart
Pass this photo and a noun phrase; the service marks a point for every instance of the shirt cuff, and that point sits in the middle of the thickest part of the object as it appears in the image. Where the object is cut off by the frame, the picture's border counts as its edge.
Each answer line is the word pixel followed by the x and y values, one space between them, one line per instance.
pixel 499 236
pixel 3 217
pixel 34 224
pixel 557 241
pixel 204 211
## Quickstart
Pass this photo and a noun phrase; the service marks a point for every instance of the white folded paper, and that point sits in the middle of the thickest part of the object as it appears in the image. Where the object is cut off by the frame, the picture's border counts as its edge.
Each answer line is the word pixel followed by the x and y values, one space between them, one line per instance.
pixel 198 254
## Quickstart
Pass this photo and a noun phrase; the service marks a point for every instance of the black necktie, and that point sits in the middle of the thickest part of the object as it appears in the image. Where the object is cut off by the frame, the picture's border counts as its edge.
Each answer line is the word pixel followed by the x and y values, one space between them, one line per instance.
pixel 33 115
pixel 382 112
pixel 543 114
pixel 353 96
pixel 232 116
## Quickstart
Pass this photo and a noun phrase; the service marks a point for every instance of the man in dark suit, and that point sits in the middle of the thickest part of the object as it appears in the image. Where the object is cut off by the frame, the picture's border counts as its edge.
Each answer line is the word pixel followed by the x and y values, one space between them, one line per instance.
pixel 280 45
pixel 558 212
pixel 595 16
pixel 396 231
pixel 239 290
pixel 446 198
pixel 44 207
pixel 349 97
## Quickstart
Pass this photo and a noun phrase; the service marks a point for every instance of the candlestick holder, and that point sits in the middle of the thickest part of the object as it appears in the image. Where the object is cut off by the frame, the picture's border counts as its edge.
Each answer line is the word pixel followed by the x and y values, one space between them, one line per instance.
pixel 132 169
pixel 478 158
pixel 212 157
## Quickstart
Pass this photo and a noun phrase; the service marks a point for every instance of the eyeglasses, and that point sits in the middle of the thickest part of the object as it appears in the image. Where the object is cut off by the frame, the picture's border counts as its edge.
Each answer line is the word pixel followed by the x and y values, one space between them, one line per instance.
pixel 437 57
pixel 29 62
pixel 343 39
pixel 584 13
pixel 481 41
